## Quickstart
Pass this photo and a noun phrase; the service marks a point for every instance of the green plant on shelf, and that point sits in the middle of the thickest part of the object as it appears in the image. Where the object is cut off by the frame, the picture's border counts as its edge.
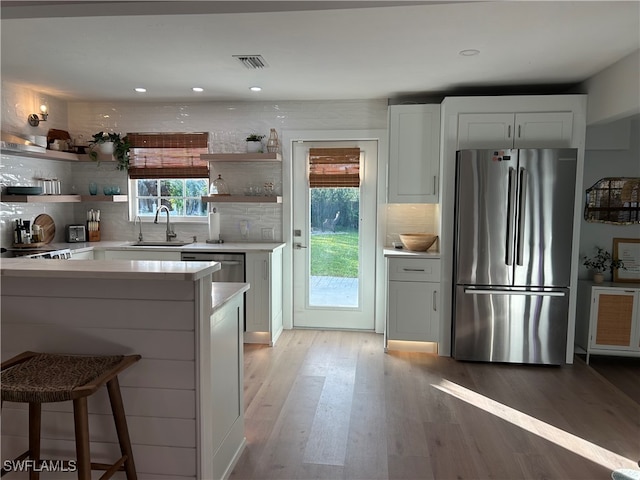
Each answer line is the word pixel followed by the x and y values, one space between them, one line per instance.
pixel 121 148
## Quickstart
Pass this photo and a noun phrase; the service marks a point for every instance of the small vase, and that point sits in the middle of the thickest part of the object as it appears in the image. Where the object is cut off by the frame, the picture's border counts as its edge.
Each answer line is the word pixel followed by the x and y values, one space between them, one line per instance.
pixel 273 144
pixel 598 277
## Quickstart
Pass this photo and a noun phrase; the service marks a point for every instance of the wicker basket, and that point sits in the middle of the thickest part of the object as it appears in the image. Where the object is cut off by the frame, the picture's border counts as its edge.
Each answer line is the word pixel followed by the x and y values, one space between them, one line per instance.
pixel 417 242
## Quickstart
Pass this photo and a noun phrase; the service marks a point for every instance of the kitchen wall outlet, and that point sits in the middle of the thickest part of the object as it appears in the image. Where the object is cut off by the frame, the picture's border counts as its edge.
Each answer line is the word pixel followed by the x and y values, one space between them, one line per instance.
pixel 267 233
pixel 244 229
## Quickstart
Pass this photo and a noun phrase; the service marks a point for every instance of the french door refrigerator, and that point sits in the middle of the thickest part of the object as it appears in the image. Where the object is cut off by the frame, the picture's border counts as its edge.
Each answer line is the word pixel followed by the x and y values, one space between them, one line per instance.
pixel 512 264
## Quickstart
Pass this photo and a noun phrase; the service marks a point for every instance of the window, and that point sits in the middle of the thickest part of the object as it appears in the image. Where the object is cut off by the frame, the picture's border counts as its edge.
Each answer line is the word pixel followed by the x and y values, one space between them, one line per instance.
pixel 166 169
pixel 181 195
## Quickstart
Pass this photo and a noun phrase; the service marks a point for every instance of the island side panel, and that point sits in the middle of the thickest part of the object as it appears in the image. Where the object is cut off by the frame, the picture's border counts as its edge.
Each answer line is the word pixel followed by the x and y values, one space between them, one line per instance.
pixel 155 319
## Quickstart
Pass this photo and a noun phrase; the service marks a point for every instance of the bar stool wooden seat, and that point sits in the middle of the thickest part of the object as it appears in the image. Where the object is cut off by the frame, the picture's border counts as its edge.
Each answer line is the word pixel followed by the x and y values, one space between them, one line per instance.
pixel 37 378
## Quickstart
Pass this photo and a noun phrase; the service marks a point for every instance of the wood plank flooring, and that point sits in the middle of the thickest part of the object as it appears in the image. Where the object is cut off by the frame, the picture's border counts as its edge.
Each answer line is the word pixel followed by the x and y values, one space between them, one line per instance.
pixel 333 405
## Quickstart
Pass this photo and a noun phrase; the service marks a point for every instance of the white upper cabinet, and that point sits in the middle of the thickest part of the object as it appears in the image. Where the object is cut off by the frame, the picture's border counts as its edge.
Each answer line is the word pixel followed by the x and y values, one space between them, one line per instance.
pixel 414 153
pixel 515 130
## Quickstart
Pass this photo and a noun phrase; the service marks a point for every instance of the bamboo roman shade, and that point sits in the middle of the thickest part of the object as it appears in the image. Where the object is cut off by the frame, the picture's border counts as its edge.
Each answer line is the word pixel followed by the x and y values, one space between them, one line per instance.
pixel 334 167
pixel 168 155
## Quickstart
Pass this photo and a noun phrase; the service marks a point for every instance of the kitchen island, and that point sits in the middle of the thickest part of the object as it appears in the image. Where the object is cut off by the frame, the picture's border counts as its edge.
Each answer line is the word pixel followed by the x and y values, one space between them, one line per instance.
pixel 184 399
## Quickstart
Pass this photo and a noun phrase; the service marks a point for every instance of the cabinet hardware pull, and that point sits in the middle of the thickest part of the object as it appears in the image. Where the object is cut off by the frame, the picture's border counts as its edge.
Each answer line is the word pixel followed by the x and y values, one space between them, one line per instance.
pixel 413 269
pixel 509 131
pixel 435 185
pixel 435 308
pixel 519 131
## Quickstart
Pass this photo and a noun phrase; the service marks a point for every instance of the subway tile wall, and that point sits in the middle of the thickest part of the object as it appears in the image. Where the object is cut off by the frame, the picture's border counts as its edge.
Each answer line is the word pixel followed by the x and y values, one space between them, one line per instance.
pixel 228 122
pixel 411 218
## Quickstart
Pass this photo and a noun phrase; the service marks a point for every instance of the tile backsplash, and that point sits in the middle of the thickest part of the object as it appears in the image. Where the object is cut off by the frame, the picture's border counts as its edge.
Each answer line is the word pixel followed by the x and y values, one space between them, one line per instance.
pixel 411 218
pixel 229 121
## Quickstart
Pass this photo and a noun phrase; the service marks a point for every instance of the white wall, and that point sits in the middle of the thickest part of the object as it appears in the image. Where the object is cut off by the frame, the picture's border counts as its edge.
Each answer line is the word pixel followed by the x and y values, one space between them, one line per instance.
pixel 621 162
pixel 614 93
pixel 83 119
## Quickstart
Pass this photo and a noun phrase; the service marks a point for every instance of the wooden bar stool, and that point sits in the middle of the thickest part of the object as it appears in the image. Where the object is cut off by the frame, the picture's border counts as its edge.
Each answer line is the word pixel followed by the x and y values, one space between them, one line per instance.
pixel 37 378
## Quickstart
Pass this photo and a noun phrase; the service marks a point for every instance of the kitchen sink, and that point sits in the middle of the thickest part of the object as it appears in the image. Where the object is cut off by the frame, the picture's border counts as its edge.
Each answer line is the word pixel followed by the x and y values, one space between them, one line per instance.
pixel 160 244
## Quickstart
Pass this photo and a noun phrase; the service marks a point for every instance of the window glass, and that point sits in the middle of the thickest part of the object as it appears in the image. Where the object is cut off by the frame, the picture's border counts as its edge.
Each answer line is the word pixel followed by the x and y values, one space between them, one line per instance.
pixel 182 196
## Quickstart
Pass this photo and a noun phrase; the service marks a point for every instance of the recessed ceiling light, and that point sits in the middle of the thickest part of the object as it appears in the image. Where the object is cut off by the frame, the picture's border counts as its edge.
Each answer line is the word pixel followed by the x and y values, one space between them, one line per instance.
pixel 255 89
pixel 469 52
pixel 140 89
pixel 198 89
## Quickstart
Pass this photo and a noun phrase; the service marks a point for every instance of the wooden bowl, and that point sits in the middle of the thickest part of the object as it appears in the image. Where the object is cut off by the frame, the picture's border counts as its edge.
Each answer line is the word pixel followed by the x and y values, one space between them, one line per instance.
pixel 417 242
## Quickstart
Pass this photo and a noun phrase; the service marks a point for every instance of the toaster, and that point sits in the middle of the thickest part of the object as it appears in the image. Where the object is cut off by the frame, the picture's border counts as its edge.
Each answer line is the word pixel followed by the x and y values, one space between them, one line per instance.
pixel 76 233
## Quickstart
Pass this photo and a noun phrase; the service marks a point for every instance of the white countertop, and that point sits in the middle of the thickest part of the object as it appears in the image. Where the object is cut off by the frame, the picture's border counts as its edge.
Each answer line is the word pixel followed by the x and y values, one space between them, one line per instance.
pixel 402 253
pixel 112 269
pixel 222 292
pixel 191 247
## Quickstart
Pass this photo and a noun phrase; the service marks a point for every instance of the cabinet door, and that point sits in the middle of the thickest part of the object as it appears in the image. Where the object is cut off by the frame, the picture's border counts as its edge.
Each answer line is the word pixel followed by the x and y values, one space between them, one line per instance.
pixel 412 311
pixel 141 255
pixel 257 268
pixel 414 153
pixel 543 130
pixel 614 320
pixel 485 130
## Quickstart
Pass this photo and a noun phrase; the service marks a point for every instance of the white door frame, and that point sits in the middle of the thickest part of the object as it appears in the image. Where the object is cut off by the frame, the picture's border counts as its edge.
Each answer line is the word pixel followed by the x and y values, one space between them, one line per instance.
pixel 290 136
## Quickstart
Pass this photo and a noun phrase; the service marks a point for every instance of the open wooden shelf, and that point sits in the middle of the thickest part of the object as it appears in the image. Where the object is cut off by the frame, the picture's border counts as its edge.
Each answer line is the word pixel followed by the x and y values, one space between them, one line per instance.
pixel 46 155
pixel 62 198
pixel 241 157
pixel 240 199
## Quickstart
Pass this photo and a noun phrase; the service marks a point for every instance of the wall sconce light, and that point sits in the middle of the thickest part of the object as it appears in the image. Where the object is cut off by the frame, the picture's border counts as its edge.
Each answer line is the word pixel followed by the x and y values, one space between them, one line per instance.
pixel 34 119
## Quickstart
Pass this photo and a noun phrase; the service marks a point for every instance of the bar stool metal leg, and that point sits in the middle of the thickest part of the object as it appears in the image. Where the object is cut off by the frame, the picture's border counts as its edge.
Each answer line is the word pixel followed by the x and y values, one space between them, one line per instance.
pixel 120 419
pixel 35 416
pixel 81 420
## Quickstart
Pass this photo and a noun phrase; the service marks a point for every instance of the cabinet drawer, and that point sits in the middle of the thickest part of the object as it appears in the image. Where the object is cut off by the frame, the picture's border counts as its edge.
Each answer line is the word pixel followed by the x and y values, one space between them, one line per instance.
pixel 414 269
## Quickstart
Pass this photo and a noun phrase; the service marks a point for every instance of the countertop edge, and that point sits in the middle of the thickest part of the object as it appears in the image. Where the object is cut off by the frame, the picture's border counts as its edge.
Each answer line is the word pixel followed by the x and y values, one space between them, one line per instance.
pixel 401 253
pixel 108 269
pixel 223 292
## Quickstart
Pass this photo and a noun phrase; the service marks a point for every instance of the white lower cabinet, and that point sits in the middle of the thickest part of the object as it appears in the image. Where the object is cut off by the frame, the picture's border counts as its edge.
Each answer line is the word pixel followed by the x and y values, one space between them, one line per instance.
pixel 611 323
pixel 141 255
pixel 413 299
pixel 263 271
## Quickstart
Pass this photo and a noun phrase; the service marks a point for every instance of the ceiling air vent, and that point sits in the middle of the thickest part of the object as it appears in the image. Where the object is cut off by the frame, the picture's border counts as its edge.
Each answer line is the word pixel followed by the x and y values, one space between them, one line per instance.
pixel 251 61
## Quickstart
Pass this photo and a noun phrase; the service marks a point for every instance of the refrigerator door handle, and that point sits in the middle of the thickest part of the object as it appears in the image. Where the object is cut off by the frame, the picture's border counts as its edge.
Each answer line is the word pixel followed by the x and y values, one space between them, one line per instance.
pixel 521 215
pixel 473 291
pixel 511 216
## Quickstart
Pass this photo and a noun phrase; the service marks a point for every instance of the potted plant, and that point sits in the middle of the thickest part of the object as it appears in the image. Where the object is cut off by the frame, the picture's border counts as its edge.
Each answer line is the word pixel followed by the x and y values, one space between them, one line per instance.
pixel 601 262
pixel 254 143
pixel 111 144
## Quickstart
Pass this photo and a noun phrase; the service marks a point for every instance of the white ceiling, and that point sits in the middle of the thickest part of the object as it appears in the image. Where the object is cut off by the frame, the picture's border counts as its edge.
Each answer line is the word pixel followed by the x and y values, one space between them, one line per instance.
pixel 314 50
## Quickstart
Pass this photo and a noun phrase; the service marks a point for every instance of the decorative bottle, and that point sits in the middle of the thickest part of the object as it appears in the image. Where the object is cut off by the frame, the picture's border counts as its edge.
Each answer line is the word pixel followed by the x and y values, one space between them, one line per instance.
pixel 273 144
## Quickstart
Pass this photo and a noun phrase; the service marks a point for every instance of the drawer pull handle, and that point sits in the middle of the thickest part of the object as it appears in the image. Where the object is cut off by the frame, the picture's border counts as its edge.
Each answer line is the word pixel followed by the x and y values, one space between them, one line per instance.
pixel 435 307
pixel 413 269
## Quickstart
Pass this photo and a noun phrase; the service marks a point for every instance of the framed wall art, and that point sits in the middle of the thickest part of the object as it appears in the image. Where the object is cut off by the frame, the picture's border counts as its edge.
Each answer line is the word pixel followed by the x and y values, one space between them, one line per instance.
pixel 627 250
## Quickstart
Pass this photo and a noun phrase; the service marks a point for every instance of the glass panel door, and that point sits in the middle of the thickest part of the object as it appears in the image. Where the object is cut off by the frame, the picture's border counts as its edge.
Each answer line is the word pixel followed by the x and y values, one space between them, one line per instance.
pixel 334 243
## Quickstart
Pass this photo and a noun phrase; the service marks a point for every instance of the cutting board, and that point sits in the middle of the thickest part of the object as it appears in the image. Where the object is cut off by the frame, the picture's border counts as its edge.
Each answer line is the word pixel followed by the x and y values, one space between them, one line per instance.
pixel 48 227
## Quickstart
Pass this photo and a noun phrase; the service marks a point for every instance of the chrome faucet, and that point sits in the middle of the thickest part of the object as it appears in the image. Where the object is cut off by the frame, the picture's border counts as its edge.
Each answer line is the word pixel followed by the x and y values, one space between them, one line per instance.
pixel 170 233
pixel 138 219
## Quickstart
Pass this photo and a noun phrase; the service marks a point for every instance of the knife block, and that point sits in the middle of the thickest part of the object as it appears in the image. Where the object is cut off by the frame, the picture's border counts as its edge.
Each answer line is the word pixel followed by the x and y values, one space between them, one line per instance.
pixel 93 235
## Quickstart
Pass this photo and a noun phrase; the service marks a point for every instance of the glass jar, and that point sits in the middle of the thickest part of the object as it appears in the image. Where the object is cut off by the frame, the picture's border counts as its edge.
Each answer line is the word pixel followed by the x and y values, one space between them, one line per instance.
pixel 220 186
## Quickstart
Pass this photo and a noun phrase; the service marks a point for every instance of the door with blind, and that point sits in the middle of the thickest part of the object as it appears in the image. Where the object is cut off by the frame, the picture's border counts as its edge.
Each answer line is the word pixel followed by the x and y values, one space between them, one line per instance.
pixel 334 222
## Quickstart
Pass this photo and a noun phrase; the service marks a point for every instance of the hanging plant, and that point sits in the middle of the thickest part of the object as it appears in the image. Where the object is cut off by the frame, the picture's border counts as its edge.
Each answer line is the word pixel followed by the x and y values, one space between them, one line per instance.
pixel 120 148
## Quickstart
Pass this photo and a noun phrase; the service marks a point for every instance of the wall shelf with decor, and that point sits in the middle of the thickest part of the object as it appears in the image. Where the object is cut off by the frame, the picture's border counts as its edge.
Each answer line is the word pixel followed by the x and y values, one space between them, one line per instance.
pixel 241 157
pixel 46 155
pixel 240 199
pixel 62 198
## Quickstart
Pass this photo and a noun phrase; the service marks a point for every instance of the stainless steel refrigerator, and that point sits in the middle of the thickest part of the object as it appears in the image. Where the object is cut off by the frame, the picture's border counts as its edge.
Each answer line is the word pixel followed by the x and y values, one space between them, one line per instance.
pixel 512 265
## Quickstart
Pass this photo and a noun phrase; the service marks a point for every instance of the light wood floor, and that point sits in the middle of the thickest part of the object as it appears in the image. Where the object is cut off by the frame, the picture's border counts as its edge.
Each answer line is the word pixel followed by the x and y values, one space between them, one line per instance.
pixel 333 405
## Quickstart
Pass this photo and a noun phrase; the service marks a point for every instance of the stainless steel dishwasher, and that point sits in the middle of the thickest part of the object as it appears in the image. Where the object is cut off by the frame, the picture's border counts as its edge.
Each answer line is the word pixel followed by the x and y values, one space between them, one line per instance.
pixel 231 264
